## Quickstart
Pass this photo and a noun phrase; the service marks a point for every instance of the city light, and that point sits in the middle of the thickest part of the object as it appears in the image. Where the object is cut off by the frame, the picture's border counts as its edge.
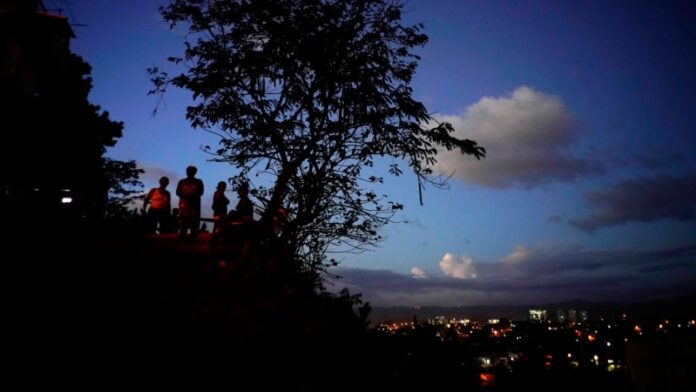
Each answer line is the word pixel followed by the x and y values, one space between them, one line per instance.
pixel 520 355
pixel 486 379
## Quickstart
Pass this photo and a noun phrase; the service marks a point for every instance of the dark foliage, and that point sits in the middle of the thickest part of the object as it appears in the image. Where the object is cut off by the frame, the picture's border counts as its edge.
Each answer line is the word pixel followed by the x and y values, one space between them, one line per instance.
pixel 54 139
pixel 124 186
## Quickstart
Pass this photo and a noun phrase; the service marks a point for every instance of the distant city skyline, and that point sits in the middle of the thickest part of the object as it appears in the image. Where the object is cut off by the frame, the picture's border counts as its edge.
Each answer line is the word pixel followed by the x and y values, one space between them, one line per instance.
pixel 586 110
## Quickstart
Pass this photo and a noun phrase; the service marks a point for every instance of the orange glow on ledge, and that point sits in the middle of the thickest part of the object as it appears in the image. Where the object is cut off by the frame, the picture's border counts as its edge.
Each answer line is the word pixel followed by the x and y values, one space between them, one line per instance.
pixel 486 379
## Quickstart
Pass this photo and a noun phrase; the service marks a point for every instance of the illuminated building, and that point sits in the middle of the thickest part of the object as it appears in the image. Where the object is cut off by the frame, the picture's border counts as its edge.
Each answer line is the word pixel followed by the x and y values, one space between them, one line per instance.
pixel 538 315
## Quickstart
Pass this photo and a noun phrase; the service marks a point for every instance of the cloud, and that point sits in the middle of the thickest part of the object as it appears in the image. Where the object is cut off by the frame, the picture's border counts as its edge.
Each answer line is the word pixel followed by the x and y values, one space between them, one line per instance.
pixel 654 157
pixel 666 266
pixel 154 173
pixel 640 200
pixel 528 137
pixel 418 273
pixel 462 268
pixel 519 255
pixel 549 274
pixel 556 218
pixel 658 158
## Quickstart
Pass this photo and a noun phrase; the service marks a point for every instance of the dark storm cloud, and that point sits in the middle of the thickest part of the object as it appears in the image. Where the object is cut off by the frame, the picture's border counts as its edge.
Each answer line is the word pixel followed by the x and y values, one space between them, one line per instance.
pixel 675 252
pixel 658 159
pixel 667 267
pixel 640 200
pixel 626 260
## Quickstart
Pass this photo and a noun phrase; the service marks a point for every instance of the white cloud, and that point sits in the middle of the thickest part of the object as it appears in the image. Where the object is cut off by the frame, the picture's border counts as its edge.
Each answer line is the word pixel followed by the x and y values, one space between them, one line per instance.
pixel 461 268
pixel 418 273
pixel 519 255
pixel 527 137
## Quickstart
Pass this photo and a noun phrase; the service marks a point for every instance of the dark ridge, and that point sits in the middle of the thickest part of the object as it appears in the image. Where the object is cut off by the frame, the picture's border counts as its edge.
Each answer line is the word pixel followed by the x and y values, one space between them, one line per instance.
pixel 683 306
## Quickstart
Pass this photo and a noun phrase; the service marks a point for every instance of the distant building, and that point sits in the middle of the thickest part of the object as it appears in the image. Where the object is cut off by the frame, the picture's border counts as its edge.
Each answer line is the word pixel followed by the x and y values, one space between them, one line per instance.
pixel 538 315
pixel 572 315
pixel 437 320
pixel 561 316
pixel 583 316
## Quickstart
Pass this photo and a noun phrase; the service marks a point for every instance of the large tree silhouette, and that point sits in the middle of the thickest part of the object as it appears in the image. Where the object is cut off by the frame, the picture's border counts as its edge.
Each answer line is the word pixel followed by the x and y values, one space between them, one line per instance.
pixel 311 94
pixel 54 138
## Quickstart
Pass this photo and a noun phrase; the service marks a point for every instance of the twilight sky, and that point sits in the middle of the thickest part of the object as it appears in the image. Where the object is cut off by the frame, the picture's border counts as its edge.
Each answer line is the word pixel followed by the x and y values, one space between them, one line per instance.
pixel 587 110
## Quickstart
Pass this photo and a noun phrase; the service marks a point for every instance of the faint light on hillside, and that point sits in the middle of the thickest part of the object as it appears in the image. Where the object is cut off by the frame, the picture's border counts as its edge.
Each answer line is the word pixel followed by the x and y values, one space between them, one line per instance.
pixel 486 379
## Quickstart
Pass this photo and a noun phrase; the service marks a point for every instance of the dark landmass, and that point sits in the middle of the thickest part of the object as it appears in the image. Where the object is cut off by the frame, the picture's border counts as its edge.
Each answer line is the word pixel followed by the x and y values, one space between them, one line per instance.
pixel 103 306
pixel 114 307
pixel 684 306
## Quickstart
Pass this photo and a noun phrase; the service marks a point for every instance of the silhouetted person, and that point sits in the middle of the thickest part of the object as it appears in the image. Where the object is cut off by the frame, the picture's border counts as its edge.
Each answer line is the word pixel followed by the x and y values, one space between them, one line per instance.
pixel 245 208
pixel 220 202
pixel 189 190
pixel 243 218
pixel 160 207
pixel 239 226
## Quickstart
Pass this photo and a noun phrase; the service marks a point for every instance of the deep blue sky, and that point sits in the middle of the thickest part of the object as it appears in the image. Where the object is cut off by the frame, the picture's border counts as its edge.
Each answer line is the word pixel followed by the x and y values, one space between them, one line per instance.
pixel 587 112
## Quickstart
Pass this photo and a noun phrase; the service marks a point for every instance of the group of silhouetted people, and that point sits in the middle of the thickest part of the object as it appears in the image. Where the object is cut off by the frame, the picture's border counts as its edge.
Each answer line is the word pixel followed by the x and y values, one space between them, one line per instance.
pixel 187 218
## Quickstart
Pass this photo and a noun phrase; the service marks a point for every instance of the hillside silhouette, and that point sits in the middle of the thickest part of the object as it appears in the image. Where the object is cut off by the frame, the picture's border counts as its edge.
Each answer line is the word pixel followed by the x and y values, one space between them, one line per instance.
pixel 105 301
